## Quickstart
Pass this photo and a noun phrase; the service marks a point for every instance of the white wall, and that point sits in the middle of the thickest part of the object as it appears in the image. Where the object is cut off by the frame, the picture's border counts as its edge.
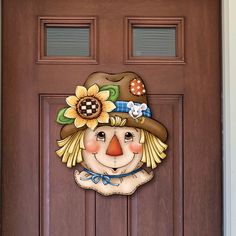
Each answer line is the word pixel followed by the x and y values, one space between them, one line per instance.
pixel 229 114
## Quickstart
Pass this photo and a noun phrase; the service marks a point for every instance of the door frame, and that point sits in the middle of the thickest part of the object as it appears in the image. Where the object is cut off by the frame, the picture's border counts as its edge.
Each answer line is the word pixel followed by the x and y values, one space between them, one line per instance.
pixel 228 111
pixel 229 114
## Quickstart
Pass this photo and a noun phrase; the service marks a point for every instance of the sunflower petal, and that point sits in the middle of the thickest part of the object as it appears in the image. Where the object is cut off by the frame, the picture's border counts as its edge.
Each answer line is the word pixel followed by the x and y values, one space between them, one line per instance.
pixel 103 95
pixel 93 90
pixel 81 91
pixel 108 106
pixel 72 101
pixel 79 122
pixel 71 113
pixel 92 124
pixel 103 118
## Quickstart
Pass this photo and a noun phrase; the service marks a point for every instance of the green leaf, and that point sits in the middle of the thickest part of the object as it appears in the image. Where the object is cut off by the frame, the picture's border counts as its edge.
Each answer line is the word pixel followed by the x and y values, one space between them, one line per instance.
pixel 114 91
pixel 61 119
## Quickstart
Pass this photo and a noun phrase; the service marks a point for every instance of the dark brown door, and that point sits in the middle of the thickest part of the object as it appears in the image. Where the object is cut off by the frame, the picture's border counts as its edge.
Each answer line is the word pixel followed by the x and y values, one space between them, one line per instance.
pixel 39 195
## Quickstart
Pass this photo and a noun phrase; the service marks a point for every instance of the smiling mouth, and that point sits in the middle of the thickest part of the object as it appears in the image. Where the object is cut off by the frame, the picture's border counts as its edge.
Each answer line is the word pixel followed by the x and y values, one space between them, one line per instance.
pixel 114 169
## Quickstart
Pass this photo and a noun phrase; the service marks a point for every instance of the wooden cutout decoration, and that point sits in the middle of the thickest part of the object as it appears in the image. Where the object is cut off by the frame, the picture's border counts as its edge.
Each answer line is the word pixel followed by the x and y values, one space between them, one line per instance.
pixel 108 128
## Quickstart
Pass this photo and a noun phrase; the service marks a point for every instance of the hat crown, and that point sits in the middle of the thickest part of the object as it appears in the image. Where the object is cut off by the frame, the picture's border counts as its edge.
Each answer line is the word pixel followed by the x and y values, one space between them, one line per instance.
pixel 131 85
pixel 130 88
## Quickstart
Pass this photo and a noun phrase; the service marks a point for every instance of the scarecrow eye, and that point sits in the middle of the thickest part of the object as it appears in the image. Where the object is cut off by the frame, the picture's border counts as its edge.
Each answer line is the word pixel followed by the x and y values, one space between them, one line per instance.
pixel 101 136
pixel 128 137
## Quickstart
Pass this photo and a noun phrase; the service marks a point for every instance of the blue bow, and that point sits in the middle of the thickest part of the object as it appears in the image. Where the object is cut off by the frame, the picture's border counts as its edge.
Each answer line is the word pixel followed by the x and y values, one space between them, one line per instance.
pixel 97 177
pixel 106 179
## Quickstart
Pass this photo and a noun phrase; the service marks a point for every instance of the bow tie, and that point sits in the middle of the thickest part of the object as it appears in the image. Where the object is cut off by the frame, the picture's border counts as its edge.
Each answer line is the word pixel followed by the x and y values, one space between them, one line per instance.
pixel 106 179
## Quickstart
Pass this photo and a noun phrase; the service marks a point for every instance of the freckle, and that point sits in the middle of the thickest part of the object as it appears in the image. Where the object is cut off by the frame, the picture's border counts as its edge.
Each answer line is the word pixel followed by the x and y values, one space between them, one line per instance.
pixel 92 146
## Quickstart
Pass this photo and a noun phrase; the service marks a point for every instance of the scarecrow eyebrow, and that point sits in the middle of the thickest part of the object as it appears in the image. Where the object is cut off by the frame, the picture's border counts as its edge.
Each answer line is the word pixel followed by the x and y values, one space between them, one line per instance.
pixel 95 129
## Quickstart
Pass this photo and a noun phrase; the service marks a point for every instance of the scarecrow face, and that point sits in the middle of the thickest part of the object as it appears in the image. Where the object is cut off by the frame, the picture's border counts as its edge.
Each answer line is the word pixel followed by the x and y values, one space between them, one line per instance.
pixel 109 129
pixel 112 150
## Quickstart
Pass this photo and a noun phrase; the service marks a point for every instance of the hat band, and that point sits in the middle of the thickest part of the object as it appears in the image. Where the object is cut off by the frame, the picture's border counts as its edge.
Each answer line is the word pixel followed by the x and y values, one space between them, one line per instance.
pixel 121 106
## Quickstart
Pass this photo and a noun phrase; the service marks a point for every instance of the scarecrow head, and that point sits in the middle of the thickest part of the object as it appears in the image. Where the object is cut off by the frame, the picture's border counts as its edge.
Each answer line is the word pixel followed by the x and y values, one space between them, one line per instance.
pixel 108 129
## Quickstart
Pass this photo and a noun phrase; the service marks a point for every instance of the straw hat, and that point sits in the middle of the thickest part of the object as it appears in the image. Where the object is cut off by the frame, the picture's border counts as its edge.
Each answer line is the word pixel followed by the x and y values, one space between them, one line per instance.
pixel 128 94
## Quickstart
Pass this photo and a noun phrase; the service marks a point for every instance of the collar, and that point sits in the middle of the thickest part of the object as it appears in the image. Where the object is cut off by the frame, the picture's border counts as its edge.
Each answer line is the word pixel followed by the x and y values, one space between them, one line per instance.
pixel 106 179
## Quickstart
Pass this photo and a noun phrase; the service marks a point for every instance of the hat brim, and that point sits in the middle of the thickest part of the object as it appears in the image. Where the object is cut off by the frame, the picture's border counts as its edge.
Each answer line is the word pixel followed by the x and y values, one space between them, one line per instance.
pixel 148 124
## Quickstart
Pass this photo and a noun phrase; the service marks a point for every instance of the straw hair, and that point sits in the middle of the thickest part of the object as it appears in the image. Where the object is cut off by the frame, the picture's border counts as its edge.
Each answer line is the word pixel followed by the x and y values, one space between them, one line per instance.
pixel 117 121
pixel 153 149
pixel 71 149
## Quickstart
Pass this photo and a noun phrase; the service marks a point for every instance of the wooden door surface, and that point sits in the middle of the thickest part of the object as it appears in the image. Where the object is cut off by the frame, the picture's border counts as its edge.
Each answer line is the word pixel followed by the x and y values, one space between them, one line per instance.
pixel 39 195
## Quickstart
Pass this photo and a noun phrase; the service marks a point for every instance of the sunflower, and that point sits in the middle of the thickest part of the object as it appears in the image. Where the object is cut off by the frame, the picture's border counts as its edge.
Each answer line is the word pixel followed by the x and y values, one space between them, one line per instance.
pixel 89 107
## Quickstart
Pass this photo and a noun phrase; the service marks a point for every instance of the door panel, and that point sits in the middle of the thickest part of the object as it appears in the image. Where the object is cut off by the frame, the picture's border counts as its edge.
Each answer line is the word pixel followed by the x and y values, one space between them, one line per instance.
pixel 161 199
pixel 39 195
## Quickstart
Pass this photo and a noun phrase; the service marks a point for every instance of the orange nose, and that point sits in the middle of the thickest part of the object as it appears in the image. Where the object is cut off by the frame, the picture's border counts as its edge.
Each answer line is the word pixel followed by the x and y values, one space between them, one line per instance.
pixel 114 148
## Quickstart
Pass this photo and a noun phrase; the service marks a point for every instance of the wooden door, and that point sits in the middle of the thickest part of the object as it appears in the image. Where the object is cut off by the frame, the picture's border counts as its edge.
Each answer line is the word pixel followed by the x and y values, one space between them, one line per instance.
pixel 39 195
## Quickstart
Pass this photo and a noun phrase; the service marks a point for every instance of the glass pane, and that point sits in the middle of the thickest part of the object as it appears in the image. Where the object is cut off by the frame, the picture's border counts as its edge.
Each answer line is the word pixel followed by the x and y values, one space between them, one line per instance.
pixel 154 41
pixel 67 41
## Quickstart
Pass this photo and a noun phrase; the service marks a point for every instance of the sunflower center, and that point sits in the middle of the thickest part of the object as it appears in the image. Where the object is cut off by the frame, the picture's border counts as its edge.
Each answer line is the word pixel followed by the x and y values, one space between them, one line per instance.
pixel 89 107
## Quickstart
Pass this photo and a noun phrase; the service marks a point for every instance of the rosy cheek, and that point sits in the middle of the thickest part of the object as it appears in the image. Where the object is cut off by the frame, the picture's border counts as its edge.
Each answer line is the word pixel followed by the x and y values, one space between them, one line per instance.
pixel 92 146
pixel 135 147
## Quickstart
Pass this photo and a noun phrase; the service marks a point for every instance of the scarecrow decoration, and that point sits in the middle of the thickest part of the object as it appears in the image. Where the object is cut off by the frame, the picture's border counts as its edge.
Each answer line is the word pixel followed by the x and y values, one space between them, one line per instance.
pixel 109 130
